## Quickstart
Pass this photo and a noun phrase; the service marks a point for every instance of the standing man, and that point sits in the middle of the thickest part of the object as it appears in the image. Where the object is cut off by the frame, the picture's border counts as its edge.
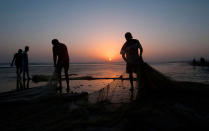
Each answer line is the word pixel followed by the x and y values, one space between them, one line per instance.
pixel 25 64
pixel 61 60
pixel 18 63
pixel 131 56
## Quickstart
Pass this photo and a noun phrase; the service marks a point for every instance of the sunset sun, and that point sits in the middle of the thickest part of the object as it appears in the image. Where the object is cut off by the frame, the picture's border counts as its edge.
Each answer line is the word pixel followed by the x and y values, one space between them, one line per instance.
pixel 110 59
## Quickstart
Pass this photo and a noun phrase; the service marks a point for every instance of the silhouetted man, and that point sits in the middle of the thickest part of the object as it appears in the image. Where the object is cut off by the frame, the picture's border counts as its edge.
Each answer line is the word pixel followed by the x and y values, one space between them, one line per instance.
pixel 25 63
pixel 130 54
pixel 18 63
pixel 61 60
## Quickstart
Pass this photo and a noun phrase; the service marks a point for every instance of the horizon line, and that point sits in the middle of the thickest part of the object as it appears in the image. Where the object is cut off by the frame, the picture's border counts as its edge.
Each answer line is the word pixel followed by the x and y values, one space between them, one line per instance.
pixel 171 61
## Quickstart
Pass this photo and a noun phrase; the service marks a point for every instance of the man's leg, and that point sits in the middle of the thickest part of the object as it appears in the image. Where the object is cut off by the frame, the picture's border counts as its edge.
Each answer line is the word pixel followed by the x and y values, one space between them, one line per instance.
pixel 17 72
pixel 66 68
pixel 59 76
pixel 59 73
pixel 131 80
pixel 27 71
pixel 20 79
pixel 24 77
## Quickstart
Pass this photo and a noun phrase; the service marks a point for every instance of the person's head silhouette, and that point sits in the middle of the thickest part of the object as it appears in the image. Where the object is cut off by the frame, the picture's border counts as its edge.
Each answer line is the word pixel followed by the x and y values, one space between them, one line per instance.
pixel 128 36
pixel 55 42
pixel 20 51
pixel 26 48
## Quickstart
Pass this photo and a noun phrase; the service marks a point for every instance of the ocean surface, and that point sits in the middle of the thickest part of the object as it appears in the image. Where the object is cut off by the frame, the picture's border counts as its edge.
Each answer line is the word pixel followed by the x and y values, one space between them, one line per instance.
pixel 178 71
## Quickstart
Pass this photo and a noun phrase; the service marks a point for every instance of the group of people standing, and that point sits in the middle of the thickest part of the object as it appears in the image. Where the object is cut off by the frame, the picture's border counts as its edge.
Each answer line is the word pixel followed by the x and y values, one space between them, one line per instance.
pixel 60 58
pixel 20 60
pixel 129 53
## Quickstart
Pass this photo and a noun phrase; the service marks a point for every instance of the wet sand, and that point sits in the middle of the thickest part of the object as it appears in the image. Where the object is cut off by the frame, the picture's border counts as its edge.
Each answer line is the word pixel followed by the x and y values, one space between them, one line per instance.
pixel 118 91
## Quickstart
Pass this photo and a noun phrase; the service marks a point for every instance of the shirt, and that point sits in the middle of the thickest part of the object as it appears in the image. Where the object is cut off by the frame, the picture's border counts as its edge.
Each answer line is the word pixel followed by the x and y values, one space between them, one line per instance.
pixel 18 59
pixel 130 49
pixel 61 52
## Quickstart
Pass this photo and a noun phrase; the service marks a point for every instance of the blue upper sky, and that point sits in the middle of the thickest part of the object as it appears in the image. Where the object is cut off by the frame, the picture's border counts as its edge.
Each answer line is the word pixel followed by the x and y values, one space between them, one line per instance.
pixel 94 29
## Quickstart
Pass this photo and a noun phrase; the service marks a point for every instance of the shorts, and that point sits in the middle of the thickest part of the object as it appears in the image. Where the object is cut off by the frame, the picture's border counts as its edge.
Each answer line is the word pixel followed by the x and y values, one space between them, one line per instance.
pixel 62 64
pixel 134 67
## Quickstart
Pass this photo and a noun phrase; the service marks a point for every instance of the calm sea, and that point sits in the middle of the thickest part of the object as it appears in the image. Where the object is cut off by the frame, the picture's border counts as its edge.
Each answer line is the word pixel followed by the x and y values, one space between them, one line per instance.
pixel 177 71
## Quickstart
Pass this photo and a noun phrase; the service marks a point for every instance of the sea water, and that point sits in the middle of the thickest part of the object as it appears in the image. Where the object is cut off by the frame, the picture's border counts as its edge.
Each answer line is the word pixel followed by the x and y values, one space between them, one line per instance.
pixel 178 71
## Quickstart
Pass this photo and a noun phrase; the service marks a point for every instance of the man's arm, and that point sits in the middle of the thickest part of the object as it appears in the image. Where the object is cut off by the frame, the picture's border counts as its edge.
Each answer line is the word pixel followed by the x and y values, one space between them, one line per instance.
pixel 141 49
pixel 67 55
pixel 13 60
pixel 124 57
pixel 122 52
pixel 54 56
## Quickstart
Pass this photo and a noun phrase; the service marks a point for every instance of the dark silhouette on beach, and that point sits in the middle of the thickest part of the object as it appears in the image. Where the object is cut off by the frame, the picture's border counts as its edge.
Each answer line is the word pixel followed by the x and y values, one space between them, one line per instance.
pixel 25 67
pixel 194 62
pixel 25 63
pixel 201 62
pixel 131 56
pixel 17 59
pixel 61 60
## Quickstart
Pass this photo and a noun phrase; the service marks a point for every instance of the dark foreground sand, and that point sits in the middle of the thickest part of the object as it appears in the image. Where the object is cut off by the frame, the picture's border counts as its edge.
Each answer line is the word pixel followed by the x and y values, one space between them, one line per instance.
pixel 185 107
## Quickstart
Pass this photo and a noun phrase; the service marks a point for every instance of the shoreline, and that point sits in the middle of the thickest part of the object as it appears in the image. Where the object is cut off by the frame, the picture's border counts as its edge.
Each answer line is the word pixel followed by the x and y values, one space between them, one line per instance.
pixel 43 78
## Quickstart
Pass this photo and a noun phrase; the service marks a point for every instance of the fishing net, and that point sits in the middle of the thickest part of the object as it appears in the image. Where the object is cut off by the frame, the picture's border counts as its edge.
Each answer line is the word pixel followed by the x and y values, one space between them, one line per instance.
pixel 120 91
